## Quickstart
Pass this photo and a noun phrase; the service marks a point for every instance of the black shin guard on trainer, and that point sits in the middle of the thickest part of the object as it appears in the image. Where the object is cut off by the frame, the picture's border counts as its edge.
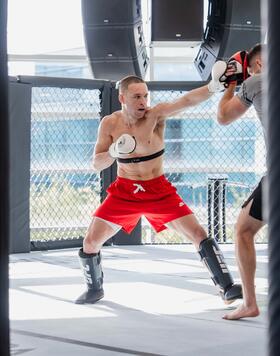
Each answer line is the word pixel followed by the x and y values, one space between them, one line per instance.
pixel 91 266
pixel 213 258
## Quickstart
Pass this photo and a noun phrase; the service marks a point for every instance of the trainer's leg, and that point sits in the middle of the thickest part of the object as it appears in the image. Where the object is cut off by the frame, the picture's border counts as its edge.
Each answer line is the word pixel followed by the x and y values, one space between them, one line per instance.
pixel 245 231
pixel 98 233
pixel 211 255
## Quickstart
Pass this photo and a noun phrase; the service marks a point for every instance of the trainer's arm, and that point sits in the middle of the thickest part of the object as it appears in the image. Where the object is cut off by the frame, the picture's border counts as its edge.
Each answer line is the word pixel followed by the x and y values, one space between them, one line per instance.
pixel 101 158
pixel 191 98
pixel 230 107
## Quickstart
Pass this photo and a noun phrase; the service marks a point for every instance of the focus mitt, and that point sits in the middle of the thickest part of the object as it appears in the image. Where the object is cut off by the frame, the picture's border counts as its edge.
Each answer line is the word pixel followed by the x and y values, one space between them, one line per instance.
pixel 239 63
pixel 124 145
pixel 216 84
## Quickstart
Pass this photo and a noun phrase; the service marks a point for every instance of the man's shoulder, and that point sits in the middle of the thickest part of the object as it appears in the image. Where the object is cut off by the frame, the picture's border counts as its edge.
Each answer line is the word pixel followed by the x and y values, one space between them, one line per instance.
pixel 155 112
pixel 250 89
pixel 252 84
pixel 253 80
pixel 111 117
pixel 151 111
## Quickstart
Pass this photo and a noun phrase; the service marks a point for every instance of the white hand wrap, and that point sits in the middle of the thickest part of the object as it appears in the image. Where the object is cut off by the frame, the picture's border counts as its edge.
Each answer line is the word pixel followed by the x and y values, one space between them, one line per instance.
pixel 124 145
pixel 218 71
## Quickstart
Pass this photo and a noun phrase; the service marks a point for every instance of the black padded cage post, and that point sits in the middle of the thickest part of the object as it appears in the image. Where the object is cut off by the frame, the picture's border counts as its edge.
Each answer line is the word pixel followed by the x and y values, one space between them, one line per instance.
pixel 4 186
pixel 272 113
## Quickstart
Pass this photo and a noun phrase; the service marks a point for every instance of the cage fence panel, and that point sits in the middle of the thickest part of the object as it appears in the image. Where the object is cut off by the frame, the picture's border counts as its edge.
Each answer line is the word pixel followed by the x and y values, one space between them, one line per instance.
pixel 63 188
pixel 198 148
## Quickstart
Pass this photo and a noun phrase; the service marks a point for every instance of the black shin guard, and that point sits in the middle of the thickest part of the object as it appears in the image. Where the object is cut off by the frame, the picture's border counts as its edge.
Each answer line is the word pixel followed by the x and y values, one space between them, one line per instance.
pixel 91 266
pixel 213 258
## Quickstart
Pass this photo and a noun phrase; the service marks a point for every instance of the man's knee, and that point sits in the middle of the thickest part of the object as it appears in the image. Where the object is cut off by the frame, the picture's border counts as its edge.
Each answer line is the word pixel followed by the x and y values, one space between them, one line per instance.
pixel 246 226
pixel 98 233
pixel 93 241
pixel 199 234
pixel 90 245
pixel 244 231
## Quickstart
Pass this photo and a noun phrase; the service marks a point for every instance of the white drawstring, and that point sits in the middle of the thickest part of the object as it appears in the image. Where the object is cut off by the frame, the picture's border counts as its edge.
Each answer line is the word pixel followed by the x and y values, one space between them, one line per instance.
pixel 139 188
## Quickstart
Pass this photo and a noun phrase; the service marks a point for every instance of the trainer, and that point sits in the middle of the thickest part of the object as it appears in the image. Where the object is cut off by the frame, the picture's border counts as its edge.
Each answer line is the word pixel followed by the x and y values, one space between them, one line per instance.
pixel 250 220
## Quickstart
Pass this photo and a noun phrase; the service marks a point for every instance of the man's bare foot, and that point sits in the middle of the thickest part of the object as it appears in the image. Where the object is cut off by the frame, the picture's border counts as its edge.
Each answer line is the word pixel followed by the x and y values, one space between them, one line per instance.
pixel 242 312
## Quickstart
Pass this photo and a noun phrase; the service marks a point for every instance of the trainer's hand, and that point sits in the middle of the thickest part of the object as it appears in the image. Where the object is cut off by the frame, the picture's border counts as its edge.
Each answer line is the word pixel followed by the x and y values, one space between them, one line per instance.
pixel 238 64
pixel 216 84
pixel 124 145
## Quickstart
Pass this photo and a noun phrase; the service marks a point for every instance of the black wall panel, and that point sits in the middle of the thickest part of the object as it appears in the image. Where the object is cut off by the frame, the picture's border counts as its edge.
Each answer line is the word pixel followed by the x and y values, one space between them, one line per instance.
pixel 20 121
pixel 4 186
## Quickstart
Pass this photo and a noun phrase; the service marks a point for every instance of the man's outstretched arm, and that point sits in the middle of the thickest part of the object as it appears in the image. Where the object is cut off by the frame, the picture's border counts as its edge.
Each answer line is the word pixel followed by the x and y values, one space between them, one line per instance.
pixel 195 96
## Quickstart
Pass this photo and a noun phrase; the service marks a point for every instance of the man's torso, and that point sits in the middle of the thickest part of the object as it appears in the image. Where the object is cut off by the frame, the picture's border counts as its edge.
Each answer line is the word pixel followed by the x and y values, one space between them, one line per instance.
pixel 250 93
pixel 149 135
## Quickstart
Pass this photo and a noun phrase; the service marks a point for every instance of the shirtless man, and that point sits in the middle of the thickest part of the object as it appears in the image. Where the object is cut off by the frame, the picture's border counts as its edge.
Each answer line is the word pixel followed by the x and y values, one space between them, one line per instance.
pixel 134 137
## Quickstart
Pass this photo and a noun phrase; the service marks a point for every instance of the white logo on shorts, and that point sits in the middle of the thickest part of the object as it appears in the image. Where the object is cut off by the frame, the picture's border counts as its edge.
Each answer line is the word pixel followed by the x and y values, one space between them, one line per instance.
pixel 139 188
pixel 181 204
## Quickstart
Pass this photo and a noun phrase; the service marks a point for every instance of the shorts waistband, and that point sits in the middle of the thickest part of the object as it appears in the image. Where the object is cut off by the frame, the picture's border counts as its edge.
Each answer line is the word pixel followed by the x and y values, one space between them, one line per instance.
pixel 155 180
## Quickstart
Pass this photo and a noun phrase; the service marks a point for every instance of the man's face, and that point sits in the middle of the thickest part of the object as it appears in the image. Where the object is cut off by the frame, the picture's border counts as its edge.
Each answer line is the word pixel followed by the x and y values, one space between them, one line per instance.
pixel 135 99
pixel 255 66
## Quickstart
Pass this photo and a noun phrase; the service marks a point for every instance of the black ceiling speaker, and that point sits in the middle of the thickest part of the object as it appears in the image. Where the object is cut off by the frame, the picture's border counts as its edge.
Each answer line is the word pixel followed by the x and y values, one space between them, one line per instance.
pixel 177 20
pixel 232 25
pixel 114 38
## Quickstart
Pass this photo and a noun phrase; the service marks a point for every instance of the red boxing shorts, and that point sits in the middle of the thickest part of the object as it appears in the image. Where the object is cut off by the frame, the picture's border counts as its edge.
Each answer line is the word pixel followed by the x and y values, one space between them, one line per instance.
pixel 128 200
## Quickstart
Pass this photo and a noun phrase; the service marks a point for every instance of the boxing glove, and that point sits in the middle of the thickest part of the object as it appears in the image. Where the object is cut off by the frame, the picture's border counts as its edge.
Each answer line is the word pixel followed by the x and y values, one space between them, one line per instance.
pixel 124 145
pixel 238 62
pixel 216 84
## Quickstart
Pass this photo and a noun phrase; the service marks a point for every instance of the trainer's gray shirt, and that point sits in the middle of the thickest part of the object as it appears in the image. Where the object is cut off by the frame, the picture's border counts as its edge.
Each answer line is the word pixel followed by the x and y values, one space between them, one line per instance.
pixel 250 93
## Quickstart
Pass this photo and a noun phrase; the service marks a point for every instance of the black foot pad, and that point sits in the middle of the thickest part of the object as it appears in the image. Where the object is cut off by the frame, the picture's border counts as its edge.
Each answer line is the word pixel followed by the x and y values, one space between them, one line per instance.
pixel 232 293
pixel 90 296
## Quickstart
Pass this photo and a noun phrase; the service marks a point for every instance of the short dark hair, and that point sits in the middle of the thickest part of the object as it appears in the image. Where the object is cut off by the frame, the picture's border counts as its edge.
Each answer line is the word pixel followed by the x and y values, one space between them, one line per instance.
pixel 254 51
pixel 126 81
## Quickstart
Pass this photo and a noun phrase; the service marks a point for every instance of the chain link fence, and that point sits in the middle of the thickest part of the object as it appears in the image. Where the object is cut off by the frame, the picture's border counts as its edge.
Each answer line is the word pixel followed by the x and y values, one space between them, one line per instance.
pixel 199 152
pixel 213 167
pixel 63 188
